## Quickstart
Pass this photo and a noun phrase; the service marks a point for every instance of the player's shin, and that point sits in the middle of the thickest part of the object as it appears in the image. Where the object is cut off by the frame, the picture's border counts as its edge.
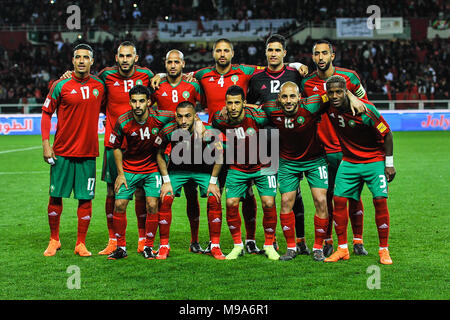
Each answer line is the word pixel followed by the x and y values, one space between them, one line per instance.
pixel 165 220
pixel 382 220
pixel 287 221
pixel 269 224
pixel 214 219
pixel 151 226
pixel 340 216
pixel 84 213
pixel 249 209
pixel 109 210
pixel 54 211
pixel 193 211
pixel 141 215
pixel 356 213
pixel 120 227
pixel 234 223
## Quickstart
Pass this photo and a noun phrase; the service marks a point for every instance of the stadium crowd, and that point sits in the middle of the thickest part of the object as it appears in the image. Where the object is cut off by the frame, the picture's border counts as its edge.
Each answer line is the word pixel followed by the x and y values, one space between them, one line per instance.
pixel 108 13
pixel 420 69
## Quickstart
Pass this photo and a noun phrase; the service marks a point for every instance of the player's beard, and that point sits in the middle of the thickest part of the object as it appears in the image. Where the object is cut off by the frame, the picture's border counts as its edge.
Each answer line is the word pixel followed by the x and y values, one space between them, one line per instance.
pixel 223 64
pixel 174 76
pixel 291 112
pixel 325 68
pixel 130 67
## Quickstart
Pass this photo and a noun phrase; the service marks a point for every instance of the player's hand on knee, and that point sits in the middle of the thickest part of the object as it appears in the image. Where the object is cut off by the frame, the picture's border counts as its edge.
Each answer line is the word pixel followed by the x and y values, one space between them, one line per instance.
pixel 120 180
pixel 166 190
pixel 214 190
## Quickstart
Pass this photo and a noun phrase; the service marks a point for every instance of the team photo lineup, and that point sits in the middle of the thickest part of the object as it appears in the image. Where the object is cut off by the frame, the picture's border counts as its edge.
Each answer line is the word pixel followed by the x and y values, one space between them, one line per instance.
pixel 266 129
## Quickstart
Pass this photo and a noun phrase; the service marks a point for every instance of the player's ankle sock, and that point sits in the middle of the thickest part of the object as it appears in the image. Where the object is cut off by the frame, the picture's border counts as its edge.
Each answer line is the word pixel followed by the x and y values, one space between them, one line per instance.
pixel 299 212
pixel 193 213
pixel 120 227
pixel 234 223
pixel 382 220
pixel 356 214
pixel 269 224
pixel 287 221
pixel 84 213
pixel 109 210
pixel 249 209
pixel 151 226
pixel 320 231
pixel 54 210
pixel 340 216
pixel 214 219
pixel 141 215
pixel 165 219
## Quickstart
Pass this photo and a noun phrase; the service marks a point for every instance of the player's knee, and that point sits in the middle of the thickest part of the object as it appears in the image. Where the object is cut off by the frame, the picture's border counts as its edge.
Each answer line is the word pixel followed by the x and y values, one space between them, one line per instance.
pixel 268 202
pixel 55 201
pixel 232 202
pixel 120 205
pixel 152 204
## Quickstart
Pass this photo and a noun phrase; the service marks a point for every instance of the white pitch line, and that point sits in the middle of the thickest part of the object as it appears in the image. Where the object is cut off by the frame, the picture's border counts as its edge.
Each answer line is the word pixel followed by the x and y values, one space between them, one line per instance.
pixel 18 150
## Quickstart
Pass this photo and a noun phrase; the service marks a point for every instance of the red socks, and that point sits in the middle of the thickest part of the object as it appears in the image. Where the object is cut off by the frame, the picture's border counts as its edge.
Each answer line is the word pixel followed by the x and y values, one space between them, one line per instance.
pixel 356 213
pixel 165 219
pixel 109 210
pixel 249 209
pixel 120 227
pixel 141 215
pixel 382 220
pixel 340 216
pixel 287 221
pixel 54 211
pixel 151 225
pixel 84 213
pixel 269 224
pixel 320 231
pixel 214 210
pixel 234 223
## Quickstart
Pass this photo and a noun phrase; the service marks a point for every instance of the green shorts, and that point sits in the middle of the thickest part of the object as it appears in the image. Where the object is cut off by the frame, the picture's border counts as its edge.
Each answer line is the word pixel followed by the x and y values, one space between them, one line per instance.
pixel 109 169
pixel 238 182
pixel 350 179
pixel 178 179
pixel 290 173
pixel 334 160
pixel 150 182
pixel 77 174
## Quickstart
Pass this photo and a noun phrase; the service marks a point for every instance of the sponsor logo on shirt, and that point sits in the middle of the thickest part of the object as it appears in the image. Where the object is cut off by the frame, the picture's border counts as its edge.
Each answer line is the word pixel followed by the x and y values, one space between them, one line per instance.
pixel 73 91
pixel 315 88
pixel 263 87
pixel 211 79
pixel 116 84
pixel 134 134
pixel 164 94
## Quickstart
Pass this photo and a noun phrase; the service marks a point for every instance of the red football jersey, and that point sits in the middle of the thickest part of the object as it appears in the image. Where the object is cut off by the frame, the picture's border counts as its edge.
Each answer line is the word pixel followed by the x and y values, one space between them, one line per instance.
pixel 167 97
pixel 298 134
pixel 314 85
pixel 362 136
pixel 142 140
pixel 118 100
pixel 77 103
pixel 215 85
pixel 247 139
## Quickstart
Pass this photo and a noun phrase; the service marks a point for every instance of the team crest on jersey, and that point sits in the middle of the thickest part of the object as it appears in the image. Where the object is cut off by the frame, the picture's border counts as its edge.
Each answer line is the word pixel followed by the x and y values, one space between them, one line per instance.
pixel 351 123
pixel 234 79
pixel 186 95
pixel 250 131
pixel 95 92
pixel 155 131
pixel 301 120
pixel 139 82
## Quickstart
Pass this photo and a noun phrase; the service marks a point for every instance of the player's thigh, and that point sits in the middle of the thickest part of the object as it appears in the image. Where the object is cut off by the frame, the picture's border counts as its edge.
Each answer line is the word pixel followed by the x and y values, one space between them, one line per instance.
pixel 151 183
pixel 237 183
pixel 375 178
pixel 133 180
pixel 289 176
pixel 348 182
pixel 62 176
pixel 316 172
pixel 109 168
pixel 84 183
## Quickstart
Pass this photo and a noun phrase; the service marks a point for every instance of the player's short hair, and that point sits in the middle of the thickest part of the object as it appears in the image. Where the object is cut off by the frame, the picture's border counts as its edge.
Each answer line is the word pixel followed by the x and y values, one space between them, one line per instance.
pixel 127 44
pixel 235 91
pixel 222 40
pixel 323 42
pixel 139 89
pixel 177 51
pixel 276 38
pixel 83 46
pixel 186 104
pixel 336 79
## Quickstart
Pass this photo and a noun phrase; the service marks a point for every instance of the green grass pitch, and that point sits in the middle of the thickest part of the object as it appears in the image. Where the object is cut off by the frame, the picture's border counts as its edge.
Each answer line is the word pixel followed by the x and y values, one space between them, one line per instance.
pixel 419 242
